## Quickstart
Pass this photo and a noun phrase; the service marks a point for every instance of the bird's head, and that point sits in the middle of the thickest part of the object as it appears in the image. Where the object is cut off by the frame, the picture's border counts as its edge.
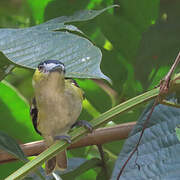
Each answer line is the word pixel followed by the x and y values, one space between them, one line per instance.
pixel 48 70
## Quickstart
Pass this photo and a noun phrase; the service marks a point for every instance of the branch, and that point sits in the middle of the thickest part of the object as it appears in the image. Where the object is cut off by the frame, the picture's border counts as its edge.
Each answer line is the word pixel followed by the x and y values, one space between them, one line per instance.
pixel 99 136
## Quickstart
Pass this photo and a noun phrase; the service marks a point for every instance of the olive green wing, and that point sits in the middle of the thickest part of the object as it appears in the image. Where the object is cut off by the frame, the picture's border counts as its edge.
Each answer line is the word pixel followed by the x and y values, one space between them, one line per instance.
pixel 34 115
pixel 76 86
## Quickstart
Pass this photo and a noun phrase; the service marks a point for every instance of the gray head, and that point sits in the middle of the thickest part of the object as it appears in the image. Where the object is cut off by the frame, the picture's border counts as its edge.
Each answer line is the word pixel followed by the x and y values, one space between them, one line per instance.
pixel 51 66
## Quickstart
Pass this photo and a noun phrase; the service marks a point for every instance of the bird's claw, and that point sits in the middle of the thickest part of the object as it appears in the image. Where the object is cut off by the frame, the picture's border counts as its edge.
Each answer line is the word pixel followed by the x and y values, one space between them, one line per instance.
pixel 83 123
pixel 63 137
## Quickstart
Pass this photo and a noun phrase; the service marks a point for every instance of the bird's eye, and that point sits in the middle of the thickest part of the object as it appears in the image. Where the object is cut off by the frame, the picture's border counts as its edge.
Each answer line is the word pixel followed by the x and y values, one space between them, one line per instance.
pixel 40 67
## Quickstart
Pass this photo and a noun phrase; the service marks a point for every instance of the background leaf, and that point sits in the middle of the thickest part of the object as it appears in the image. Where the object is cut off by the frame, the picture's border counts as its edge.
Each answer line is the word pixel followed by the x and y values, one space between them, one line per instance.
pixel 129 38
pixel 159 45
pixel 158 150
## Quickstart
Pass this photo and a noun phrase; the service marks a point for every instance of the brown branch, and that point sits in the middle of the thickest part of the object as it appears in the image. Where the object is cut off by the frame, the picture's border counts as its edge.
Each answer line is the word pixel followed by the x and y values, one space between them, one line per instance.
pixel 98 136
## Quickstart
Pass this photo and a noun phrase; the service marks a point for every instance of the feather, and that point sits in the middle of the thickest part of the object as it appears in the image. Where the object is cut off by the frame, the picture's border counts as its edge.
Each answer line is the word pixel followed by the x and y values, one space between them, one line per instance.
pixel 34 115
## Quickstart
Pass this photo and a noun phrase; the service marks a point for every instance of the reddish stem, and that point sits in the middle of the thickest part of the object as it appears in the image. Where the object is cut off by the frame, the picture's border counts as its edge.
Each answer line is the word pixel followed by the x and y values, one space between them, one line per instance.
pixel 139 140
pixel 164 87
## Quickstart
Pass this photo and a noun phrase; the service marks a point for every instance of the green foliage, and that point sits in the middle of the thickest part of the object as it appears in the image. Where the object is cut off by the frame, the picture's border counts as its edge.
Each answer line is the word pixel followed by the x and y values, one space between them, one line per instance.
pixel 37 8
pixel 138 41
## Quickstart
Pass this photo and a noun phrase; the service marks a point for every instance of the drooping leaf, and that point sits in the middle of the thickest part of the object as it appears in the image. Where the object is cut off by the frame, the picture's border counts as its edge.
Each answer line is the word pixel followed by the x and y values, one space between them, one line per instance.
pixel 27 47
pixel 159 151
pixel 15 118
pixel 8 144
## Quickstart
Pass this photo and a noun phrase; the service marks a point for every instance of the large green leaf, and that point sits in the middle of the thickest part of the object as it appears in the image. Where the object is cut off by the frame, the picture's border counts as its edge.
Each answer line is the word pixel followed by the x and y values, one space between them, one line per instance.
pixel 28 46
pixel 159 151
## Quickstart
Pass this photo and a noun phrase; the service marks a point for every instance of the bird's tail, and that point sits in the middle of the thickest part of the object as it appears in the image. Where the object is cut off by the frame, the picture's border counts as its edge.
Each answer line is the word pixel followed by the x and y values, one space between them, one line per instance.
pixel 59 162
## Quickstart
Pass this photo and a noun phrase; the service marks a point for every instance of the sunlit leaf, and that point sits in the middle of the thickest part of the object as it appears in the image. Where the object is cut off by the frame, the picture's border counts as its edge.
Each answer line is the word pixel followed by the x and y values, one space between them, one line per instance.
pixel 37 8
pixel 15 119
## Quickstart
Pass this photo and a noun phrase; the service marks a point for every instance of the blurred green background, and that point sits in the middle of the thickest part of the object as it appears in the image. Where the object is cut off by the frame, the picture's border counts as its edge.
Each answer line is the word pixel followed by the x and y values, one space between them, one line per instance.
pixel 139 41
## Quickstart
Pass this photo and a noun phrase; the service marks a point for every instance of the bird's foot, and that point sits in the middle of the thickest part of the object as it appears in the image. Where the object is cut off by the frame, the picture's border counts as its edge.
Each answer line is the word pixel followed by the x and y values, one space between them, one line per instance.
pixel 83 123
pixel 64 138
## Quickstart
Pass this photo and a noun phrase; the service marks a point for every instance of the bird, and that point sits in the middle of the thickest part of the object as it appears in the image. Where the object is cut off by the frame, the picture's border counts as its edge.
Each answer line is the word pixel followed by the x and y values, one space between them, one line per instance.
pixel 55 108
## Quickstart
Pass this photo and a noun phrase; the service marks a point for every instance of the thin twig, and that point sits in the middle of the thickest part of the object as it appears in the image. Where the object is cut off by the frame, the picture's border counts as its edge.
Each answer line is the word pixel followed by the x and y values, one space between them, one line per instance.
pixel 139 140
pixel 101 152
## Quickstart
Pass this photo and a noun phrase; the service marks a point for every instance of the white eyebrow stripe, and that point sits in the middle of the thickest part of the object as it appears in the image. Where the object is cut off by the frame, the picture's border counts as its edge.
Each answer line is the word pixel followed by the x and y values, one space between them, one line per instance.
pixel 50 66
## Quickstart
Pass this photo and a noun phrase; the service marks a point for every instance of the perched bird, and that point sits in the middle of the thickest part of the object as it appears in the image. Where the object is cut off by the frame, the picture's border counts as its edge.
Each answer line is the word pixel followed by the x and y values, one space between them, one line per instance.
pixel 55 108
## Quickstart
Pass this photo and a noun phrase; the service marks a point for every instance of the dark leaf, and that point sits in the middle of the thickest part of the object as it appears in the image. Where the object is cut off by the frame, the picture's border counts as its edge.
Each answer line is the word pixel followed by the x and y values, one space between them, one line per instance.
pixel 8 144
pixel 159 151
